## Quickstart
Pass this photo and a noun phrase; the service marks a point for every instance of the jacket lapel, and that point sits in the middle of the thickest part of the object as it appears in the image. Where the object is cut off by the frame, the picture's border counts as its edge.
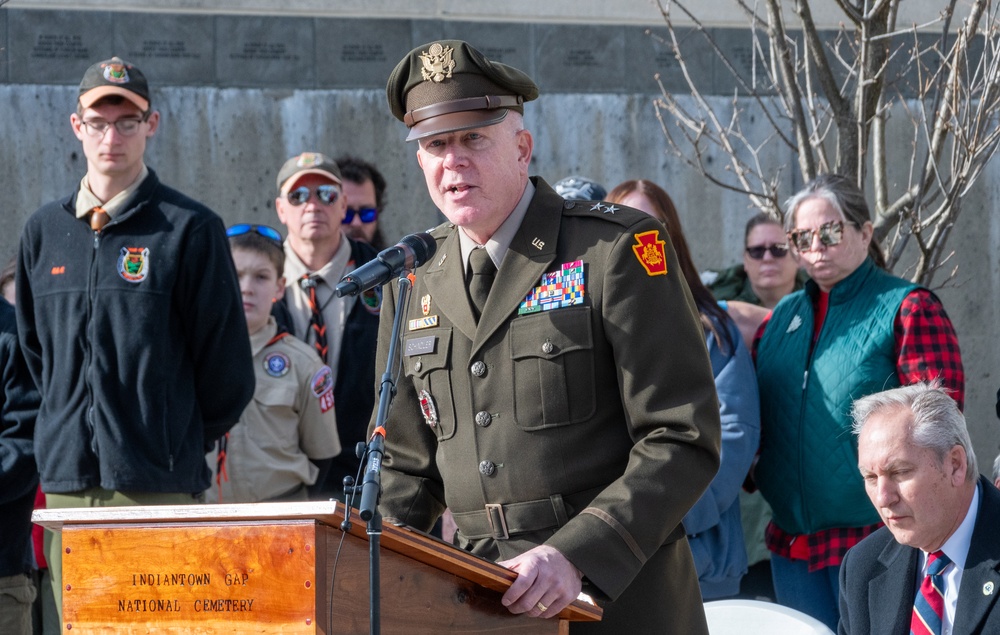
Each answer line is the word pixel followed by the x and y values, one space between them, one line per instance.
pixel 981 578
pixel 895 589
pixel 530 255
pixel 440 279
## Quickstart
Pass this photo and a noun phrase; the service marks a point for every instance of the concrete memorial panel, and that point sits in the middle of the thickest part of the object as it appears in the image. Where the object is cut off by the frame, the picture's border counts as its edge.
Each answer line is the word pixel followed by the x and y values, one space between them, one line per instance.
pixel 265 51
pixel 749 62
pixel 649 50
pixel 359 53
pixel 169 48
pixel 55 47
pixel 506 43
pixel 580 58
pixel 3 47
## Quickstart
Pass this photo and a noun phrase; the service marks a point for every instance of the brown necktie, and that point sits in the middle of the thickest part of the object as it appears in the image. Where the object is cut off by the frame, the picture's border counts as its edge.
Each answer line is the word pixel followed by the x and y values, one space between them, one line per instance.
pixel 98 218
pixel 316 323
pixel 482 272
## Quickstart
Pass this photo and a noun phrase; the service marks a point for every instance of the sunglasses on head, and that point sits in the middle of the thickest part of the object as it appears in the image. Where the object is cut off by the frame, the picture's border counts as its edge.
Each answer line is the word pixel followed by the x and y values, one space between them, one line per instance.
pixel 366 214
pixel 261 230
pixel 777 251
pixel 829 234
pixel 327 194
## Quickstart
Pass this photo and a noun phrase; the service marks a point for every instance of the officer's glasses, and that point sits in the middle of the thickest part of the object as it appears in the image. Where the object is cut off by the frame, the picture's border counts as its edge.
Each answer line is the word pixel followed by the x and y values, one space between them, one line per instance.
pixel 829 234
pixel 262 230
pixel 125 127
pixel 777 251
pixel 327 195
pixel 366 214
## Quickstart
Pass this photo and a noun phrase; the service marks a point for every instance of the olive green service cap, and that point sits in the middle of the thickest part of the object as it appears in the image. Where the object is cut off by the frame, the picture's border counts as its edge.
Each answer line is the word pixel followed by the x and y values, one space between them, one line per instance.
pixel 449 85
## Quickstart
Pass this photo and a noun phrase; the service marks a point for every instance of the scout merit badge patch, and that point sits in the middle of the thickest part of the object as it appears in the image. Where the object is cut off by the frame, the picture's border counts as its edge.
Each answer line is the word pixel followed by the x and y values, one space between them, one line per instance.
pixel 133 264
pixel 559 289
pixel 276 364
pixel 651 252
pixel 322 387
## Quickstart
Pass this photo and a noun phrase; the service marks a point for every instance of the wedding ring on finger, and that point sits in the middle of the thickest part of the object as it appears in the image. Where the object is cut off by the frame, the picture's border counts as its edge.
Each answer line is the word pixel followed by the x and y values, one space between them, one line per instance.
pixel 541 607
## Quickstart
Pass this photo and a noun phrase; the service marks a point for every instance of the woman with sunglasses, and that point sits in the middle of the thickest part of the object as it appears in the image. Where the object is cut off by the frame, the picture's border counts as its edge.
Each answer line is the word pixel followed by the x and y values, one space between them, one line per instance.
pixel 853 330
pixel 713 525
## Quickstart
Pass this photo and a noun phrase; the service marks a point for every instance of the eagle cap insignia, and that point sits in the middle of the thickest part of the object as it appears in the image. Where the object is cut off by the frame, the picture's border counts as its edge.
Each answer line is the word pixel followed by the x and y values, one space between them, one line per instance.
pixel 438 63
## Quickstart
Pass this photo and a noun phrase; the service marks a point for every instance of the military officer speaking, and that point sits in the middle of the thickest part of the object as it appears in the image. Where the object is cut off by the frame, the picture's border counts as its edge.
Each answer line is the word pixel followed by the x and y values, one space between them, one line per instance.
pixel 556 392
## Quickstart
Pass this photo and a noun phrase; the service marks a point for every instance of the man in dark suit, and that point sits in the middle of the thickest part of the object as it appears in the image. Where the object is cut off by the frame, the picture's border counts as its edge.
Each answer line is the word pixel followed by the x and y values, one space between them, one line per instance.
pixel 935 566
pixel 556 392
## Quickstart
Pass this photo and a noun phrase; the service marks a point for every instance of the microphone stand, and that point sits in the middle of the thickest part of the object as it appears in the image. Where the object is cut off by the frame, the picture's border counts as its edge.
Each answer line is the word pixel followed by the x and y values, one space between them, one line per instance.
pixel 371 481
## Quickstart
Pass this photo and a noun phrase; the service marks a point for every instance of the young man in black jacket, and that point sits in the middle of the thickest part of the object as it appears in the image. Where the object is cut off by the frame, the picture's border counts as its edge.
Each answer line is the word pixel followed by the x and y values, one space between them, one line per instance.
pixel 130 319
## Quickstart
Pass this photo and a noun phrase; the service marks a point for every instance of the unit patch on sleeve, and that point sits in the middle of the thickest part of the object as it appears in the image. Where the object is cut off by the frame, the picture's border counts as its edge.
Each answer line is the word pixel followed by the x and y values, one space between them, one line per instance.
pixel 651 252
pixel 559 289
pixel 322 387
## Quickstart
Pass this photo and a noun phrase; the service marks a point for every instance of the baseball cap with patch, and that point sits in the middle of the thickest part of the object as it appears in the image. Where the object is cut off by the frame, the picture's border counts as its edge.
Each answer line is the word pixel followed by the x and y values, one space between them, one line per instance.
pixel 308 163
pixel 449 85
pixel 114 77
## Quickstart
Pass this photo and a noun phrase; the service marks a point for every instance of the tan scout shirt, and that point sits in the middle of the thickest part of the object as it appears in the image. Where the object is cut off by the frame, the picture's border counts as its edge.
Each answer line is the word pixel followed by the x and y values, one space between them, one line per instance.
pixel 289 421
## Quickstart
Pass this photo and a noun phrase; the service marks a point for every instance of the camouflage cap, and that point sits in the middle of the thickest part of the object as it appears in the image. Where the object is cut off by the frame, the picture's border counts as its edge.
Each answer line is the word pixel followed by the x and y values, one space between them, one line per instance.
pixel 308 163
pixel 449 85
pixel 114 77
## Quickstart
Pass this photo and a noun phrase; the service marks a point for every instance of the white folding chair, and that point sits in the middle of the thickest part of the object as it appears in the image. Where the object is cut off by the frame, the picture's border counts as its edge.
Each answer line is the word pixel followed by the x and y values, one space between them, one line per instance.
pixel 753 617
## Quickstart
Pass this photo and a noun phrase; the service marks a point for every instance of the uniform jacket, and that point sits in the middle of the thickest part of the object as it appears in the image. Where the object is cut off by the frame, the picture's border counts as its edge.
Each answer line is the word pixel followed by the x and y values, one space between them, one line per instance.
pixel 714 527
pixel 808 468
pixel 592 428
pixel 136 339
pixel 289 421
pixel 878 580
pixel 18 476
pixel 353 394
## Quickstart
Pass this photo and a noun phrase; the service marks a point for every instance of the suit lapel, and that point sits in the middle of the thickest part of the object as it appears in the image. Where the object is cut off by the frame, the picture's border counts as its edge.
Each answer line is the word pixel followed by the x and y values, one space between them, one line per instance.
pixel 440 279
pixel 890 594
pixel 981 578
pixel 530 255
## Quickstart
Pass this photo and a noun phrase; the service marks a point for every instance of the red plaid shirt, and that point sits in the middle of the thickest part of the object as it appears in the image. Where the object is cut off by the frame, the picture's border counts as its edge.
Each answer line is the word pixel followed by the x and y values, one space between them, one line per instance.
pixel 926 348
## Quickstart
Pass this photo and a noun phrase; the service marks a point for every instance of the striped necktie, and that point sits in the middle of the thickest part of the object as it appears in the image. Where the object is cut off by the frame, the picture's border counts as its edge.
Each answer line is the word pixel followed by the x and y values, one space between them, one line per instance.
pixel 928 606
pixel 316 323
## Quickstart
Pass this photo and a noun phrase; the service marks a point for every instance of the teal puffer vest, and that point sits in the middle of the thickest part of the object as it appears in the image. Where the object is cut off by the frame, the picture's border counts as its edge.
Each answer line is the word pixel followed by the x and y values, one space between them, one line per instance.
pixel 808 468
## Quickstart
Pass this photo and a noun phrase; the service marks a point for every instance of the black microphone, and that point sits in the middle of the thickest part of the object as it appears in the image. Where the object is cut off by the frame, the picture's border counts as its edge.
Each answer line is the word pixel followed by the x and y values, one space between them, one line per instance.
pixel 411 252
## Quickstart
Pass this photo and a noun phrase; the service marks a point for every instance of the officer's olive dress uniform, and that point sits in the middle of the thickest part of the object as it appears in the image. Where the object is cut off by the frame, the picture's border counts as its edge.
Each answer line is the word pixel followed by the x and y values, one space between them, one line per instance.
pixel 591 428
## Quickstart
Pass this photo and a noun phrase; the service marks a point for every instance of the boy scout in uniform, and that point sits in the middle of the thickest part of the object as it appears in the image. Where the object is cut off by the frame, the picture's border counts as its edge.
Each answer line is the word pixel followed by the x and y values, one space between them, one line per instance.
pixel 556 392
pixel 288 432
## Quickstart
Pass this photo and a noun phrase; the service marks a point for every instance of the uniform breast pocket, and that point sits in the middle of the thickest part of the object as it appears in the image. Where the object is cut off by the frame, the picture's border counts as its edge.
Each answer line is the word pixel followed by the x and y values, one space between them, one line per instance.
pixel 553 364
pixel 426 361
pixel 276 406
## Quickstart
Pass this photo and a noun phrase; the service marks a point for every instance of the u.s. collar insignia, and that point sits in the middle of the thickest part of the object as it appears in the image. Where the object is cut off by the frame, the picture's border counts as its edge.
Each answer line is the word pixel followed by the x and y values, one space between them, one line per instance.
pixel 651 252
pixel 133 264
pixel 438 63
pixel 794 324
pixel 276 364
pixel 425 304
pixel 372 299
pixel 116 73
pixel 427 407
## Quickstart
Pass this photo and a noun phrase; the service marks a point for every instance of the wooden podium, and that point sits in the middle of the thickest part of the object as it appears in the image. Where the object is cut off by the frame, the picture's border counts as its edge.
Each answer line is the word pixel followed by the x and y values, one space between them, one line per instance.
pixel 272 568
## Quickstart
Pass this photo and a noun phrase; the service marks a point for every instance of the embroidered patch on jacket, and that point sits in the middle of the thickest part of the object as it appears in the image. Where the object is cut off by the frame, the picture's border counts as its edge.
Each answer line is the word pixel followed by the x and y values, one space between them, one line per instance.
pixel 133 263
pixel 651 252
pixel 322 387
pixel 559 289
pixel 277 364
pixel 372 299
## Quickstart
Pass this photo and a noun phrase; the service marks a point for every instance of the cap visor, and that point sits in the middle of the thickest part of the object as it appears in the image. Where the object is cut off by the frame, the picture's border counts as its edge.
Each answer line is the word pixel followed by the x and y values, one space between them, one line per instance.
pixel 454 121
pixel 91 97
pixel 293 179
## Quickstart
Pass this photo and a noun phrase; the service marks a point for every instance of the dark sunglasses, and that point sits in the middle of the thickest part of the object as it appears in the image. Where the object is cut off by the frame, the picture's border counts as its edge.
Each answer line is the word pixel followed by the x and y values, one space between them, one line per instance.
pixel 366 214
pixel 829 234
pixel 327 194
pixel 247 228
pixel 777 251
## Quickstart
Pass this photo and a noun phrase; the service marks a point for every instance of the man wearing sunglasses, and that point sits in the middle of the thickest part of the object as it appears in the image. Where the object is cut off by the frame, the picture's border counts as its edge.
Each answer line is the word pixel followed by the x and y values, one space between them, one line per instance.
pixel 364 187
pixel 130 318
pixel 343 331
